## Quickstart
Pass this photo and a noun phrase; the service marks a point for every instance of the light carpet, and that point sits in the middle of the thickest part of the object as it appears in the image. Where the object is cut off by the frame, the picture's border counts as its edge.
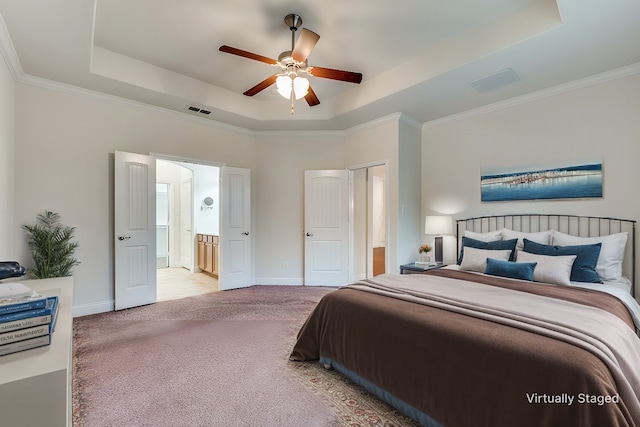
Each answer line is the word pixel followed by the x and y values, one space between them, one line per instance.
pixel 219 359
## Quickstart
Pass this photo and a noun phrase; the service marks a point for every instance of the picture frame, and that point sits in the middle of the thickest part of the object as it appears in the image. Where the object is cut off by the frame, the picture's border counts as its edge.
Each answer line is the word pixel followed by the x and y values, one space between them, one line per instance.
pixel 574 181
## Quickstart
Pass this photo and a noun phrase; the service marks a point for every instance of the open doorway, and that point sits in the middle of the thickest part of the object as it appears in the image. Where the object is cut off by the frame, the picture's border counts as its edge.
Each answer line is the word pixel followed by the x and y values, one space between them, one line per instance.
pixel 187 215
pixel 369 229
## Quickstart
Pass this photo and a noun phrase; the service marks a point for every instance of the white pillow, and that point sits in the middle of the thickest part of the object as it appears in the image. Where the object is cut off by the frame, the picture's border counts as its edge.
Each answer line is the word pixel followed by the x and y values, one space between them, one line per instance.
pixel 491 236
pixel 543 237
pixel 476 259
pixel 549 269
pixel 609 265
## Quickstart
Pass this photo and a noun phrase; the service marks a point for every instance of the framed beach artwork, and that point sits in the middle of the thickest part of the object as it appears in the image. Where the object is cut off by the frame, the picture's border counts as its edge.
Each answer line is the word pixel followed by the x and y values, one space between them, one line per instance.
pixel 575 181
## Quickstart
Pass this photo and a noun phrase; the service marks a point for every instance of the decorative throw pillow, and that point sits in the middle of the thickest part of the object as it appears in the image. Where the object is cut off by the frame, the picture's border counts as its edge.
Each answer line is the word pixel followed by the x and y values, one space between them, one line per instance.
pixel 492 246
pixel 584 266
pixel 476 259
pixel 549 269
pixel 491 236
pixel 609 266
pixel 510 269
pixel 543 237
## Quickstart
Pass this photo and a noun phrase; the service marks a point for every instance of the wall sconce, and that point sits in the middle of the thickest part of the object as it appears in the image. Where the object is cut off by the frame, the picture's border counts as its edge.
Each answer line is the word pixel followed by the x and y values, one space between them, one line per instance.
pixel 207 203
pixel 438 225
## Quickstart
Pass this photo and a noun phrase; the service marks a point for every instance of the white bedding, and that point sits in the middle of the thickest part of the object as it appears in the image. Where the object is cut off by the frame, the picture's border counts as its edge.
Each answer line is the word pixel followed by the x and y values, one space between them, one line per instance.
pixel 619 289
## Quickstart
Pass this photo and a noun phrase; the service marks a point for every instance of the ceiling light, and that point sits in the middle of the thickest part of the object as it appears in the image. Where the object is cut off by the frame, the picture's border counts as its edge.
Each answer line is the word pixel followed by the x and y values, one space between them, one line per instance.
pixel 296 88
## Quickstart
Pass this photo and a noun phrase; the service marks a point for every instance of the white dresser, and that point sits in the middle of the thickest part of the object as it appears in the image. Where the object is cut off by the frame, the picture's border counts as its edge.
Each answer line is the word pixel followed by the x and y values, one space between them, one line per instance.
pixel 35 385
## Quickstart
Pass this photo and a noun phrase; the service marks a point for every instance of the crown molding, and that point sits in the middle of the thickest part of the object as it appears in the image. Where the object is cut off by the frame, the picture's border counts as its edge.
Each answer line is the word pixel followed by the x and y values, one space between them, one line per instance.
pixel 374 123
pixel 408 120
pixel 8 52
pixel 605 77
pixel 294 133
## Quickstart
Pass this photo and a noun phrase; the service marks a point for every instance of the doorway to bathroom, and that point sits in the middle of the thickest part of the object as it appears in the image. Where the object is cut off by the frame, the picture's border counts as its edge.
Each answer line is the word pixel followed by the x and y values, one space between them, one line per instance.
pixel 187 213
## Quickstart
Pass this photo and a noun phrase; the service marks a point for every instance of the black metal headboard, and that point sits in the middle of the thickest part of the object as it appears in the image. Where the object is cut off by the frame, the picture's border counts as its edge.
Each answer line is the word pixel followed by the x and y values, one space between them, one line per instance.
pixel 583 226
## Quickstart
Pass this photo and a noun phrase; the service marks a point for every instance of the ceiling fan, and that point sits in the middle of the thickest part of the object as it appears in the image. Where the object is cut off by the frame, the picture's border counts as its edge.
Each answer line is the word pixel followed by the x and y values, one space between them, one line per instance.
pixel 293 64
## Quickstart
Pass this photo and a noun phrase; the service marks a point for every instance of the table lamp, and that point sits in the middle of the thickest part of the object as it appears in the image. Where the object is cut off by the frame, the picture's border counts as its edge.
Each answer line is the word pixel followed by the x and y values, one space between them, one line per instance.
pixel 438 225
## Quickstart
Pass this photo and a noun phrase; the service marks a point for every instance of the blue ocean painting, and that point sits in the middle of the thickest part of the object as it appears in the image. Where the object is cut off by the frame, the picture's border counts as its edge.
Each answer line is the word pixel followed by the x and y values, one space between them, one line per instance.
pixel 582 181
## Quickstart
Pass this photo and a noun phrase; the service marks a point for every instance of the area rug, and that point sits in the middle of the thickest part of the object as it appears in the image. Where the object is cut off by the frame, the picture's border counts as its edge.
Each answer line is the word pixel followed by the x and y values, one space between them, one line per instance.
pixel 220 359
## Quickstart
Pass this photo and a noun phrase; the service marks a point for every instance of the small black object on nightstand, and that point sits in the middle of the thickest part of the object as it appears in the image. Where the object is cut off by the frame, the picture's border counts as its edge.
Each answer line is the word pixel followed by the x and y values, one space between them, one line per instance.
pixel 414 268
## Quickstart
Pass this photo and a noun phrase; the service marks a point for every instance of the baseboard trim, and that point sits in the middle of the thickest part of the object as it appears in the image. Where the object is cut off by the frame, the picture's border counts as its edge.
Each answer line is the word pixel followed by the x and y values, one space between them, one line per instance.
pixel 289 281
pixel 93 308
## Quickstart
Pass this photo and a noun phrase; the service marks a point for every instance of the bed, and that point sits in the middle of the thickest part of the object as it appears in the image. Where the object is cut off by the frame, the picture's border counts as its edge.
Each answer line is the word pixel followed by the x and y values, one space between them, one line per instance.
pixel 460 347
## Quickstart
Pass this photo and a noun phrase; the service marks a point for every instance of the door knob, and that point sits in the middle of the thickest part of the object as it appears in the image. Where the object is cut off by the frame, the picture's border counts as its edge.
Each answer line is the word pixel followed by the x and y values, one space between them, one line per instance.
pixel 309 234
pixel 124 238
pixel 246 233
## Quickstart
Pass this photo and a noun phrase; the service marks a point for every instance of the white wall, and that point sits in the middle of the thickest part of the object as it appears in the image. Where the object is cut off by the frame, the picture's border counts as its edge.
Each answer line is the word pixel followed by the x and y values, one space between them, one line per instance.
pixel 410 221
pixel 395 141
pixel 598 122
pixel 279 177
pixel 7 170
pixel 206 184
pixel 64 163
pixel 377 143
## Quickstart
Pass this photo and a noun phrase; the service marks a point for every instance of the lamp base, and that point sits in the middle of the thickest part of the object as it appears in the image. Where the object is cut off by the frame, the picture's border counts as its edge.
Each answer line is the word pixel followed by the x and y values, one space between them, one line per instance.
pixel 438 249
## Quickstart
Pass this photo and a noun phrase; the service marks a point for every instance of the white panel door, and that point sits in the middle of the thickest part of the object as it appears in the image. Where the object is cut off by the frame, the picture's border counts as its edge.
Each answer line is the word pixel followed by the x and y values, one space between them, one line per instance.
pixel 187 242
pixel 135 230
pixel 235 228
pixel 326 223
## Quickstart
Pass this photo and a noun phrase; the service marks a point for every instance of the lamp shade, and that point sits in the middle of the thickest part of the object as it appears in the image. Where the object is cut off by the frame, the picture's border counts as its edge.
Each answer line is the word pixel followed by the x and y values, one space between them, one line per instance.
pixel 438 224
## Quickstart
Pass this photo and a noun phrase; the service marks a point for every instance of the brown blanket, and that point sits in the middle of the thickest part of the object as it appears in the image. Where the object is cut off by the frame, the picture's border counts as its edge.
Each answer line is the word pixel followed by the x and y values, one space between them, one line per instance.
pixel 466 371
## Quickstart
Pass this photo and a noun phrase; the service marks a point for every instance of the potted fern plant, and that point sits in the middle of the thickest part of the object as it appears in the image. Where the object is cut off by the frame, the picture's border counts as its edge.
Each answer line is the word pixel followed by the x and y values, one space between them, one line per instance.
pixel 52 246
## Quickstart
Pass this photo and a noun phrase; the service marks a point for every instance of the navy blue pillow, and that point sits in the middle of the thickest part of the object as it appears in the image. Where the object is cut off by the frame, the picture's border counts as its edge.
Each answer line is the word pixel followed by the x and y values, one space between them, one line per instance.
pixel 498 245
pixel 513 270
pixel 584 267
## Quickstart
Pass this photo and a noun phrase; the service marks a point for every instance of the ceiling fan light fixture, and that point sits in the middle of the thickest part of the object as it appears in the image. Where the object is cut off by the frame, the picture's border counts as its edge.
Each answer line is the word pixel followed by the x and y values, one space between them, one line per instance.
pixel 283 83
pixel 299 86
pixel 292 63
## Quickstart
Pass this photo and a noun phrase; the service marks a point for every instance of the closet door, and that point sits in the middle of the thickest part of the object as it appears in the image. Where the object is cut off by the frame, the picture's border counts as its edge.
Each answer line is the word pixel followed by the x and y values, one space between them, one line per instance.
pixel 326 223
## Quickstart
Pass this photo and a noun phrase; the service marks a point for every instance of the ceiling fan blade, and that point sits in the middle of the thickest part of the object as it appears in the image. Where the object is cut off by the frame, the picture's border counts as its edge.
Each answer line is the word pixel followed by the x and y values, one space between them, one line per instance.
pixel 328 73
pixel 305 44
pixel 261 86
pixel 312 98
pixel 245 54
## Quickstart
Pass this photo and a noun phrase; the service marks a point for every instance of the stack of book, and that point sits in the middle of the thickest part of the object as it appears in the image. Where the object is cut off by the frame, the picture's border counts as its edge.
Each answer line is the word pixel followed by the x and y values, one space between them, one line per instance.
pixel 27 319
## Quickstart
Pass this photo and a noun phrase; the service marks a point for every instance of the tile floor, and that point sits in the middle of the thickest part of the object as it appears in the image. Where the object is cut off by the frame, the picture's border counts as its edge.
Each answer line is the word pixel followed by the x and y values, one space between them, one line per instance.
pixel 174 283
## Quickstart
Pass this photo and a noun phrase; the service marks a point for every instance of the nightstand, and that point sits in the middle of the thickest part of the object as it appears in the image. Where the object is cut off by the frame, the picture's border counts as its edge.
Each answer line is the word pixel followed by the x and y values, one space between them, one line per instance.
pixel 418 269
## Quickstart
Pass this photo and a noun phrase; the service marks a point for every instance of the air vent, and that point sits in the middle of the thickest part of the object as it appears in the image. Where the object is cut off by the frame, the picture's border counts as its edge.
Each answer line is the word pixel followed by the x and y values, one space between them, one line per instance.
pixel 495 81
pixel 198 110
